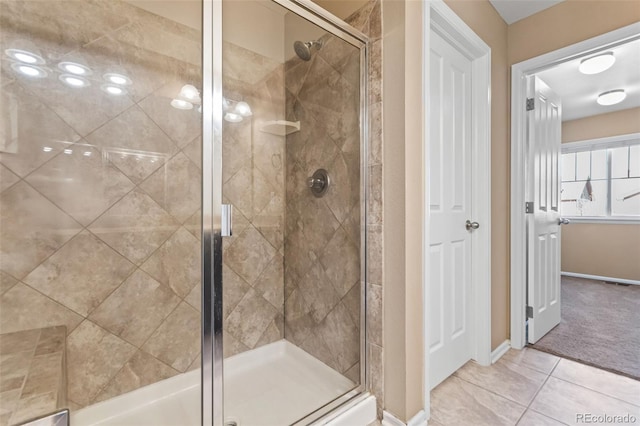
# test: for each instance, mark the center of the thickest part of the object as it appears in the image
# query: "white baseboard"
(600, 278)
(419, 419)
(389, 419)
(500, 350)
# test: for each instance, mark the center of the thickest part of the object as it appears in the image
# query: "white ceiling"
(515, 10)
(578, 92)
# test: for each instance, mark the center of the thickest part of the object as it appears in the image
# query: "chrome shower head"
(303, 49)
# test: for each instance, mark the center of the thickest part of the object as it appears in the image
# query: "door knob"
(563, 221)
(471, 225)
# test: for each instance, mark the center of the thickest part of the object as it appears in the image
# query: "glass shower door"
(292, 153)
(100, 196)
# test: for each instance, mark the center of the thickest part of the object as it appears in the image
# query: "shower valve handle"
(315, 182)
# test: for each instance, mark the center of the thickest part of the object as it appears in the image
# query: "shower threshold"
(273, 385)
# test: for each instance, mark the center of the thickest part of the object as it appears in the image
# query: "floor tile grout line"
(596, 391)
(492, 392)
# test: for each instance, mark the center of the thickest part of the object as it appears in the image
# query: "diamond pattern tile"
(28, 129)
(63, 276)
(81, 183)
(176, 264)
(134, 143)
(136, 308)
(176, 187)
(135, 226)
(32, 229)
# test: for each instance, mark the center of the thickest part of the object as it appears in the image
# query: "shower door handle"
(227, 220)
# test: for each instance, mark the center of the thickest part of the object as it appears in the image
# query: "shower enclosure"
(182, 204)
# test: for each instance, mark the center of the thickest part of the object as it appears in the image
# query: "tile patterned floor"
(532, 388)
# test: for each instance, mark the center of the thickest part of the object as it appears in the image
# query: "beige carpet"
(600, 326)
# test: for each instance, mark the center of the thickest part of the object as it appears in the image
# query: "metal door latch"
(471, 225)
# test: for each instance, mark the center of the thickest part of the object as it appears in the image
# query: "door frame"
(518, 230)
(440, 16)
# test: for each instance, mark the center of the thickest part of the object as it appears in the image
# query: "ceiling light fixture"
(611, 97)
(24, 56)
(74, 68)
(29, 70)
(74, 81)
(597, 64)
(181, 104)
(119, 79)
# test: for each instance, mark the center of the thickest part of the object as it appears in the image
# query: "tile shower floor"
(275, 384)
(532, 388)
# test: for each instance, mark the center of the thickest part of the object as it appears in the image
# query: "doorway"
(581, 183)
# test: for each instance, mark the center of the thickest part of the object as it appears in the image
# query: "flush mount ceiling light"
(74, 68)
(611, 97)
(29, 70)
(24, 56)
(112, 89)
(597, 64)
(119, 79)
(74, 80)
(181, 104)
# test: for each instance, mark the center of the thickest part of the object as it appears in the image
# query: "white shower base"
(274, 385)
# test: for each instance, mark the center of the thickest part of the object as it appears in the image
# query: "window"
(601, 179)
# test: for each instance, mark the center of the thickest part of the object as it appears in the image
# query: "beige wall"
(601, 249)
(568, 23)
(603, 125)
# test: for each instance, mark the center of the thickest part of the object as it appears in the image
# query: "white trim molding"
(419, 419)
(519, 73)
(600, 278)
(441, 17)
(502, 349)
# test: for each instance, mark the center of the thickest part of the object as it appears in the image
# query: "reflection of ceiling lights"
(190, 92)
(235, 111)
(597, 64)
(113, 89)
(243, 109)
(74, 68)
(68, 151)
(181, 104)
(29, 70)
(233, 117)
(119, 79)
(47, 149)
(74, 81)
(24, 56)
(611, 97)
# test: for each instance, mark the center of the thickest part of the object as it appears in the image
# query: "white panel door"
(450, 309)
(543, 281)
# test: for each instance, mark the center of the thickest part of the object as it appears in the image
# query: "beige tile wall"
(253, 183)
(103, 237)
(322, 239)
(368, 19)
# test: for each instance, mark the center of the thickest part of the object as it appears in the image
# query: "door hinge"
(529, 311)
(531, 105)
(528, 207)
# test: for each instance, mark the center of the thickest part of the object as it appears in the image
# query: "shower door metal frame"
(212, 404)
